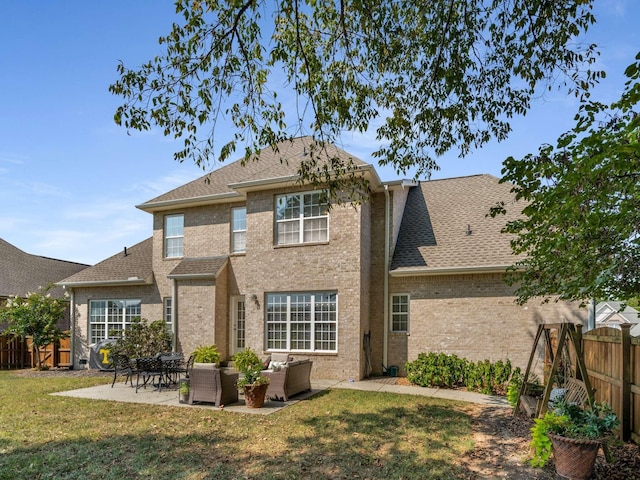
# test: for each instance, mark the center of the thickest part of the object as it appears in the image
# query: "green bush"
(206, 354)
(141, 339)
(449, 371)
(513, 388)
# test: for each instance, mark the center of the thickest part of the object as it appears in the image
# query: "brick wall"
(151, 310)
(472, 316)
(335, 266)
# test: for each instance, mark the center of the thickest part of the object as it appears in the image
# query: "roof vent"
(125, 251)
(469, 231)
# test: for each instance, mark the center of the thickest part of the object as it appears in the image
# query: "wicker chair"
(122, 366)
(213, 385)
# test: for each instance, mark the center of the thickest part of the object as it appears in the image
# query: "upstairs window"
(238, 229)
(173, 236)
(301, 218)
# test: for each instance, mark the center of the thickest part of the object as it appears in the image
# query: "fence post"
(625, 385)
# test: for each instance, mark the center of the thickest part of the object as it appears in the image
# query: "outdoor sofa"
(288, 379)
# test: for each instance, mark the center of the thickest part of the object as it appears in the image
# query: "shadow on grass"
(333, 435)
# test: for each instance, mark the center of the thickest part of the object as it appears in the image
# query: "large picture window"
(301, 218)
(400, 313)
(107, 316)
(173, 236)
(238, 229)
(302, 322)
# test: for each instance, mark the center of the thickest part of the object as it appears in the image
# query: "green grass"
(339, 434)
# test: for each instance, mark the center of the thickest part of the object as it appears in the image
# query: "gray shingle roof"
(438, 213)
(22, 272)
(199, 267)
(271, 164)
(133, 268)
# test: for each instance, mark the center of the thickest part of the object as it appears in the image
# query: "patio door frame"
(238, 309)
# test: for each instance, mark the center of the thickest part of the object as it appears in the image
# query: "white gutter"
(385, 333)
(190, 202)
(411, 272)
(108, 283)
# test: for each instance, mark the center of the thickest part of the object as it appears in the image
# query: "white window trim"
(408, 314)
(233, 231)
(168, 237)
(167, 304)
(301, 219)
(288, 322)
(234, 319)
(123, 320)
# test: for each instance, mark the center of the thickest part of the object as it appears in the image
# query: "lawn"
(338, 434)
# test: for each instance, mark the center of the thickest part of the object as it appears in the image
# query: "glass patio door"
(239, 323)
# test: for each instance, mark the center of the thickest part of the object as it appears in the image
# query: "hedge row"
(450, 371)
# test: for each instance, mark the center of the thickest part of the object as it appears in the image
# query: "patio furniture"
(149, 369)
(213, 385)
(289, 380)
(122, 366)
(172, 366)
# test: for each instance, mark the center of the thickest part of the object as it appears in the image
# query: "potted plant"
(206, 356)
(574, 435)
(251, 381)
(183, 391)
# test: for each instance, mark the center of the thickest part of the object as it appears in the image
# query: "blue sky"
(70, 178)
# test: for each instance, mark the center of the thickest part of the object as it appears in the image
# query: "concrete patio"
(169, 397)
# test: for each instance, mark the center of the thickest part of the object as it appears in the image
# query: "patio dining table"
(172, 367)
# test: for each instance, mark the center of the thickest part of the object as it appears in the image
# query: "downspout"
(174, 309)
(385, 333)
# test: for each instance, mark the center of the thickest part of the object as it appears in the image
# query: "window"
(173, 236)
(238, 229)
(301, 218)
(400, 313)
(302, 322)
(167, 314)
(107, 316)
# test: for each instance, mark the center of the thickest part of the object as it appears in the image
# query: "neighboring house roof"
(133, 266)
(21, 273)
(446, 228)
(199, 267)
(609, 312)
(230, 182)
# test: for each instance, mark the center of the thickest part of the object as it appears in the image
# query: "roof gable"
(445, 227)
(133, 266)
(23, 272)
(227, 182)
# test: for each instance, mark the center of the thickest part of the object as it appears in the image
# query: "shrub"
(141, 339)
(442, 370)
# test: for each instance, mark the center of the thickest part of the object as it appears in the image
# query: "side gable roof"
(445, 228)
(228, 183)
(22, 272)
(130, 267)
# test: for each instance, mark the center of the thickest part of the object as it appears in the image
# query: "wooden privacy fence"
(612, 358)
(17, 353)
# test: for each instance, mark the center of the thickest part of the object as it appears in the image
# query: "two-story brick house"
(247, 256)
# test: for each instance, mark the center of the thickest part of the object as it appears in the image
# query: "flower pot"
(254, 395)
(183, 391)
(209, 366)
(575, 459)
